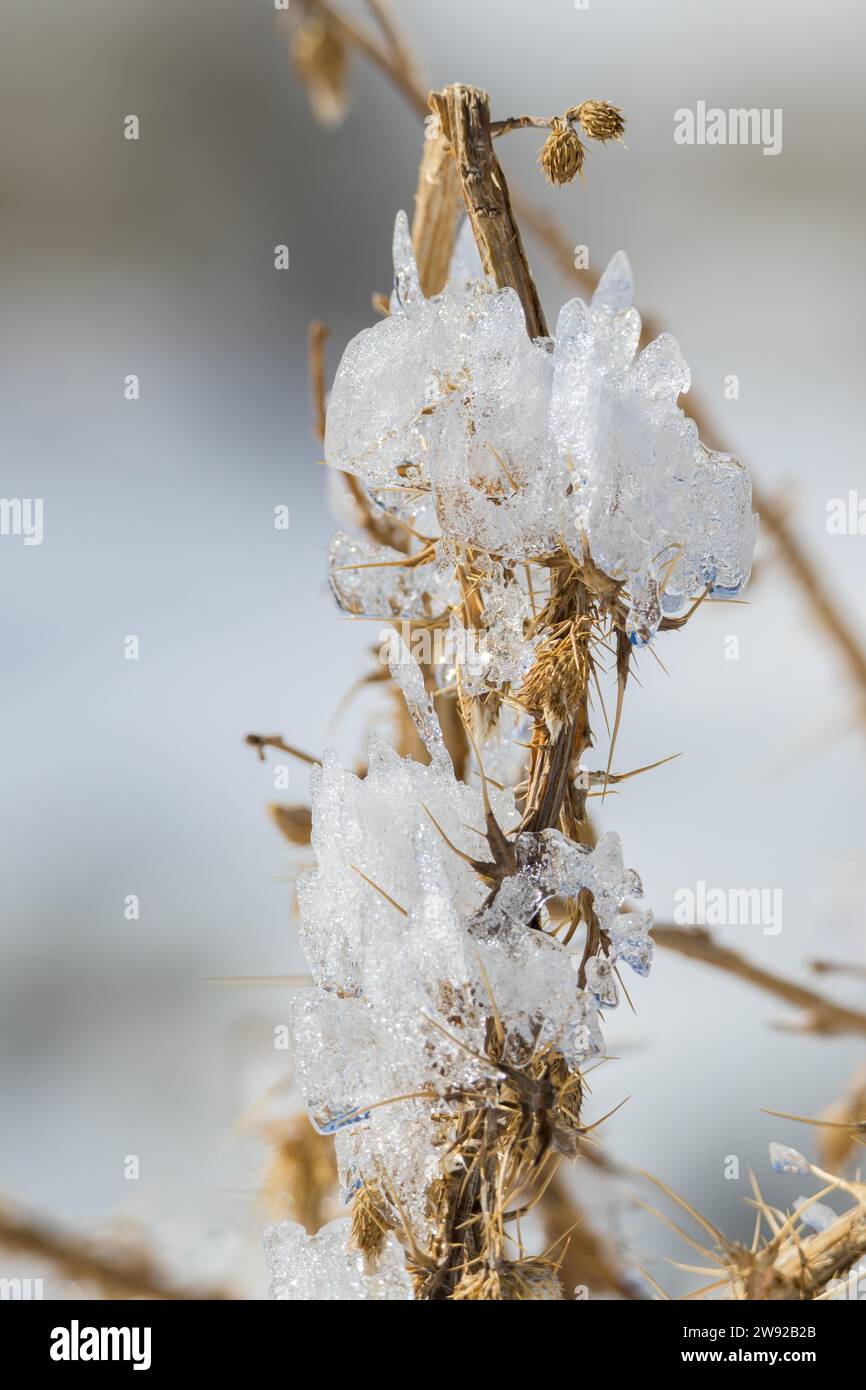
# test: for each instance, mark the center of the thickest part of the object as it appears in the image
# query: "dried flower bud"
(562, 155)
(321, 62)
(599, 120)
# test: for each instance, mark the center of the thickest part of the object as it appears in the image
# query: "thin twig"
(838, 967)
(118, 1275)
(317, 336)
(824, 1016)
(262, 741)
(521, 123)
(392, 35)
(380, 56)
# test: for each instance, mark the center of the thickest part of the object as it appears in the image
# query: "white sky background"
(118, 777)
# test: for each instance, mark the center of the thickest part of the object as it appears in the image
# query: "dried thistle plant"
(576, 611)
(562, 154)
(450, 1065)
(600, 120)
(810, 1253)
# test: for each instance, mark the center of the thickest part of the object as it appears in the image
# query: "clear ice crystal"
(601, 981)
(407, 674)
(815, 1214)
(522, 444)
(324, 1267)
(631, 941)
(788, 1161)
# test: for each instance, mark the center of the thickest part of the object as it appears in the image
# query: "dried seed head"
(599, 120)
(531, 1280)
(563, 154)
(370, 1225)
(321, 62)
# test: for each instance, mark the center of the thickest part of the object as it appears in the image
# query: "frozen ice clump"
(816, 1214)
(522, 445)
(374, 581)
(789, 1161)
(411, 953)
(657, 508)
(324, 1267)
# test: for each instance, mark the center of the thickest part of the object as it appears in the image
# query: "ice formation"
(816, 1214)
(410, 953)
(325, 1267)
(470, 433)
(789, 1161)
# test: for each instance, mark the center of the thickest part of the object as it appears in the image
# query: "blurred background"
(155, 257)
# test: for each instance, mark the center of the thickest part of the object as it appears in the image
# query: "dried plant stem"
(464, 113)
(521, 123)
(467, 1258)
(438, 201)
(823, 1015)
(393, 38)
(301, 1182)
(843, 1124)
(839, 967)
(587, 1260)
(118, 1276)
(317, 336)
(805, 1269)
(262, 741)
(393, 65)
(822, 604)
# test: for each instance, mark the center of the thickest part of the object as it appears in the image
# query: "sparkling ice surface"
(407, 953)
(323, 1267)
(522, 445)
